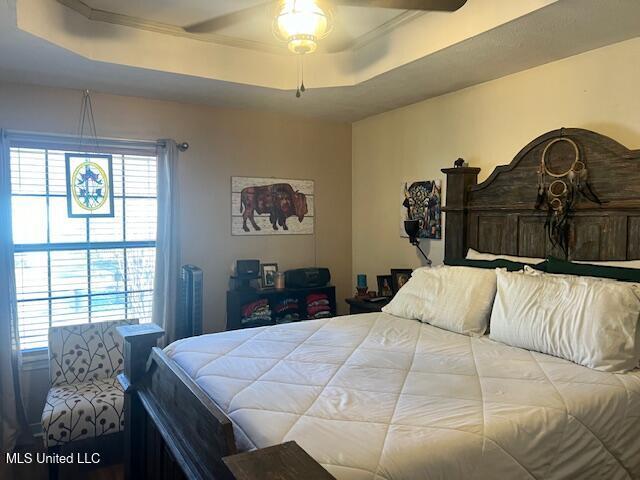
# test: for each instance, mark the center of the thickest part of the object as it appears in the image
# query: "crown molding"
(105, 16)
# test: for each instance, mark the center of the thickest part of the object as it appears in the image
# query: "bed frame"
(498, 215)
(175, 431)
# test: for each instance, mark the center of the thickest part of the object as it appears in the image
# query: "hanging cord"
(93, 122)
(86, 116)
(81, 118)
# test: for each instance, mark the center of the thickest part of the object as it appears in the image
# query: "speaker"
(307, 277)
(190, 302)
(247, 269)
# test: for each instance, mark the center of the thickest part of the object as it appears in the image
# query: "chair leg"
(54, 466)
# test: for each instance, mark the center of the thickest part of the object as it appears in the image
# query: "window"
(79, 270)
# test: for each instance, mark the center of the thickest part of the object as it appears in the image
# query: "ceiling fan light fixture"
(301, 23)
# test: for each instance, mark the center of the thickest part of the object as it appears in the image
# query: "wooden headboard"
(499, 215)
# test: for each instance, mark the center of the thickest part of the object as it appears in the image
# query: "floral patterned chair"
(85, 400)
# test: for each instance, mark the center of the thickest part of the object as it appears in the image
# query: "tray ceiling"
(353, 26)
(44, 42)
(181, 13)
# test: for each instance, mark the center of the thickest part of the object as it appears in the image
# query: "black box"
(307, 277)
(248, 269)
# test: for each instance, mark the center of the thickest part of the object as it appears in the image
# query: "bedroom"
(392, 96)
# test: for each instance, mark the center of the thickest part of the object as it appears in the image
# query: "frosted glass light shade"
(301, 23)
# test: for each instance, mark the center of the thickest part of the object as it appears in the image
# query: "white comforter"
(379, 397)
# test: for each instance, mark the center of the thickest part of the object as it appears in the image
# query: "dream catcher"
(559, 191)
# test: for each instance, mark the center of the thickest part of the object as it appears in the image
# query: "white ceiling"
(352, 24)
(68, 51)
(181, 13)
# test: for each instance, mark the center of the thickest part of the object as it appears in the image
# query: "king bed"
(374, 396)
(385, 396)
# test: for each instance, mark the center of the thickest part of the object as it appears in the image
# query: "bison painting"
(279, 200)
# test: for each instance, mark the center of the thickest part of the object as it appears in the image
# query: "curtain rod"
(127, 142)
(183, 147)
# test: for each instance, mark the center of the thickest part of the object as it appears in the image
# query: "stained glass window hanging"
(89, 185)
(89, 176)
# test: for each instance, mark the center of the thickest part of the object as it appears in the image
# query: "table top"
(362, 303)
(287, 461)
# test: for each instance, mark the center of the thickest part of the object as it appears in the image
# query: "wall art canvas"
(89, 185)
(271, 206)
(421, 200)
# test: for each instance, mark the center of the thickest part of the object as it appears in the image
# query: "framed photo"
(399, 276)
(89, 185)
(384, 286)
(267, 272)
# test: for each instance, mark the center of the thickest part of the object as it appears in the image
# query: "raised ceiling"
(181, 13)
(45, 42)
(354, 26)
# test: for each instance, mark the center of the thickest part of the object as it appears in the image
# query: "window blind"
(80, 270)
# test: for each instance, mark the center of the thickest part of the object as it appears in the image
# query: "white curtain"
(165, 290)
(13, 423)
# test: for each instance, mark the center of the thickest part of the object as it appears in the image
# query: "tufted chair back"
(90, 351)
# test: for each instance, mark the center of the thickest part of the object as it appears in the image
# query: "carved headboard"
(499, 215)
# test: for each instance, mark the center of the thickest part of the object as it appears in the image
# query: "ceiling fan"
(301, 23)
(310, 20)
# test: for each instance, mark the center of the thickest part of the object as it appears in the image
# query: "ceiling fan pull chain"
(298, 78)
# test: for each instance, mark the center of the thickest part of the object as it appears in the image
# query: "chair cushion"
(83, 410)
(85, 352)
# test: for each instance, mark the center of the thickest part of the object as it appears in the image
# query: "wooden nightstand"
(357, 305)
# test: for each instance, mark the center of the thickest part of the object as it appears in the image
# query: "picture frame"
(89, 182)
(399, 276)
(267, 274)
(385, 283)
(421, 200)
(272, 206)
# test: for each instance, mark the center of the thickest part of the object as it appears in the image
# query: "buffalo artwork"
(268, 206)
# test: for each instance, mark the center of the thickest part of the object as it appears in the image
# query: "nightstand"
(358, 305)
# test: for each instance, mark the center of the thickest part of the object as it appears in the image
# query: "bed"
(375, 396)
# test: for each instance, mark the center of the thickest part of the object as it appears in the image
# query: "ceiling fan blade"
(217, 23)
(442, 5)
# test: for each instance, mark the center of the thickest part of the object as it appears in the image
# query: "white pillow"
(475, 255)
(458, 299)
(585, 320)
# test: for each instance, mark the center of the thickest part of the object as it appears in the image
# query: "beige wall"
(487, 125)
(223, 142)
